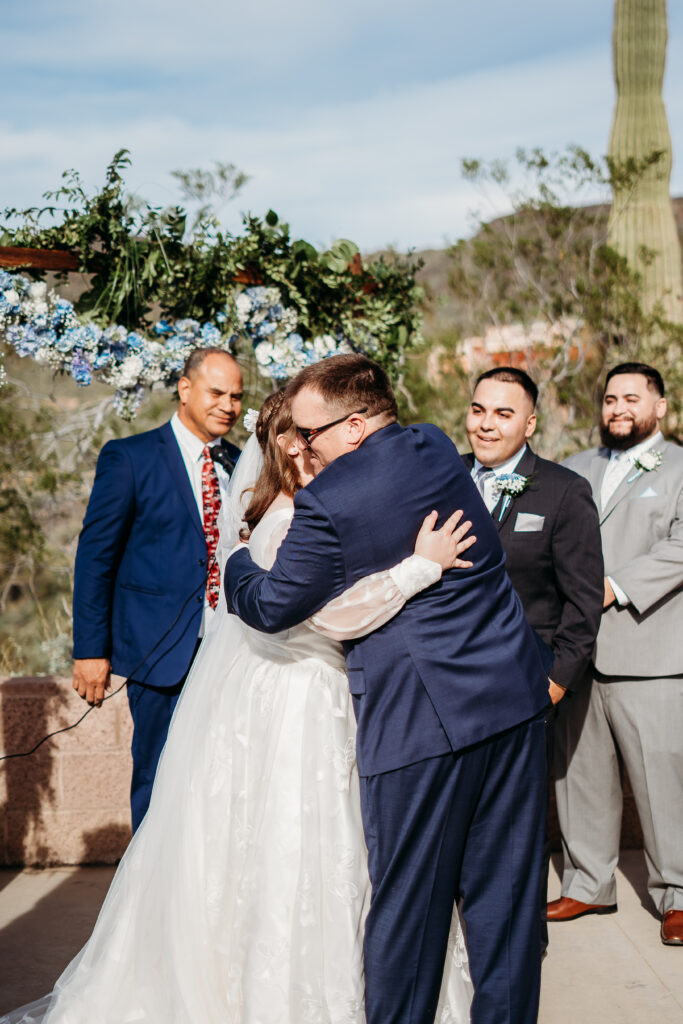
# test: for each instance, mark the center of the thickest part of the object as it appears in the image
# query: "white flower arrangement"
(279, 349)
(36, 322)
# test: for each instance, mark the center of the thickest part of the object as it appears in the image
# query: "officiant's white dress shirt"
(191, 449)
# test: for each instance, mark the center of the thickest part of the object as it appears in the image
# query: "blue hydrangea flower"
(127, 401)
(210, 334)
(81, 370)
(102, 359)
(135, 342)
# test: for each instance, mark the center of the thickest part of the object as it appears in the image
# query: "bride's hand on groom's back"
(447, 544)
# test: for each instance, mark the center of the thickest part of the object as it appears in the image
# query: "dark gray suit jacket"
(551, 538)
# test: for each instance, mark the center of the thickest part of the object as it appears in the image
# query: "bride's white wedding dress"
(242, 897)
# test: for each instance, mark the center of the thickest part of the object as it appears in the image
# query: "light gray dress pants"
(643, 720)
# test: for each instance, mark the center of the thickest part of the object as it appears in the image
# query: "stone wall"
(69, 802)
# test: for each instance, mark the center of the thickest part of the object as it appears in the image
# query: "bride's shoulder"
(270, 531)
(283, 501)
(276, 517)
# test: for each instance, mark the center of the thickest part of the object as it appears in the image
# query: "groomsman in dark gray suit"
(634, 706)
(549, 530)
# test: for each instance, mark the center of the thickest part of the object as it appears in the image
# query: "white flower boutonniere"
(511, 485)
(646, 462)
(250, 418)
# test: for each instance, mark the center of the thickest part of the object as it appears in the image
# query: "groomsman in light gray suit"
(634, 705)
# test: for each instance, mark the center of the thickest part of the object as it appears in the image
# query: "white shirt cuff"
(415, 574)
(622, 598)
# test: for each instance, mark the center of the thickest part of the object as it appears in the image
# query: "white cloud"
(383, 169)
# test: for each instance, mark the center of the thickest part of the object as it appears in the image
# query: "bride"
(242, 896)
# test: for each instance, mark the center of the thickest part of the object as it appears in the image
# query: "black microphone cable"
(67, 728)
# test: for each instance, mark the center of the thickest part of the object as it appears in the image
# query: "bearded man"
(633, 709)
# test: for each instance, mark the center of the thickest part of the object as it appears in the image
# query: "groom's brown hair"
(350, 382)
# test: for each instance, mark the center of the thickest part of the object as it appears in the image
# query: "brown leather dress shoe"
(566, 909)
(672, 928)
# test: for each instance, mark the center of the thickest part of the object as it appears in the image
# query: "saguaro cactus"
(643, 217)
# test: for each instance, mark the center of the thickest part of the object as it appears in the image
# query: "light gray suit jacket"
(642, 543)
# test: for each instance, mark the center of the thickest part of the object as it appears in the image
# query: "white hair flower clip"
(250, 418)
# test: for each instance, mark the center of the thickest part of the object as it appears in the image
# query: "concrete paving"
(600, 970)
(613, 969)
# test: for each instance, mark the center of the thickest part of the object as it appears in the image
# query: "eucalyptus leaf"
(345, 249)
(333, 262)
(305, 249)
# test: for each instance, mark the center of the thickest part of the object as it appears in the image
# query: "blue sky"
(351, 118)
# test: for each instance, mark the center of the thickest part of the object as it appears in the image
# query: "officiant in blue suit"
(449, 698)
(145, 579)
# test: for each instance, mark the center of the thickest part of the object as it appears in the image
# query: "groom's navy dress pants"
(467, 825)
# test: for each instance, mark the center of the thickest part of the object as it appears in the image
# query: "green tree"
(547, 267)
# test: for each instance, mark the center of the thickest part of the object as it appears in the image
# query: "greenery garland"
(158, 289)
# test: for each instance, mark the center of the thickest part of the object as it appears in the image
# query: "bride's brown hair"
(279, 472)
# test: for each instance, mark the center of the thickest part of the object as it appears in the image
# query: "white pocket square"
(649, 492)
(528, 522)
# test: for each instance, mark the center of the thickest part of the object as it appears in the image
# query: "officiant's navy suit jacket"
(459, 663)
(141, 563)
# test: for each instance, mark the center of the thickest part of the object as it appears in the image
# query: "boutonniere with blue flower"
(646, 462)
(510, 485)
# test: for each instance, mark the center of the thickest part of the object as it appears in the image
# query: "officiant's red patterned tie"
(211, 503)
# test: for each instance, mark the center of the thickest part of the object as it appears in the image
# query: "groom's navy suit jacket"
(141, 561)
(459, 663)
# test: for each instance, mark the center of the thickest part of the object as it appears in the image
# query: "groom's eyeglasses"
(307, 433)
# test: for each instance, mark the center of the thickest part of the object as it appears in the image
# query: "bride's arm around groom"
(447, 696)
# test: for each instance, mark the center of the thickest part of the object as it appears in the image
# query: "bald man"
(146, 580)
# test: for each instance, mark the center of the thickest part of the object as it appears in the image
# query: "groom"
(449, 698)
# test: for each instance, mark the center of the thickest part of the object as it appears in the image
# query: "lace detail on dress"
(343, 760)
